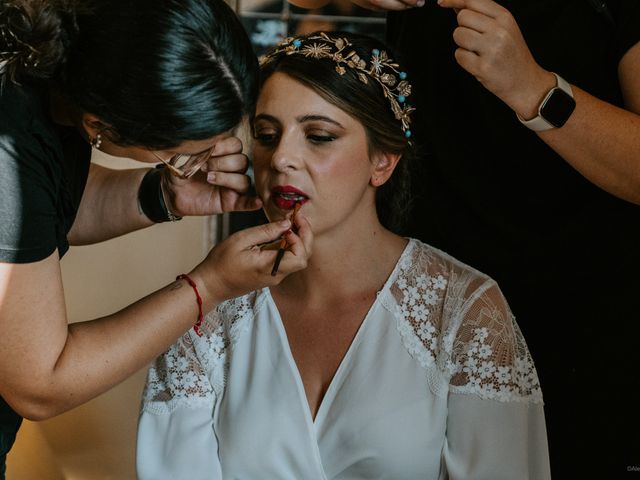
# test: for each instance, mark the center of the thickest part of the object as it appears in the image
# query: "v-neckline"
(327, 398)
(328, 394)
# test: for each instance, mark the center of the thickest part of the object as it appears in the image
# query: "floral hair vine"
(381, 68)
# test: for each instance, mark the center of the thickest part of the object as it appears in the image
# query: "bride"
(385, 357)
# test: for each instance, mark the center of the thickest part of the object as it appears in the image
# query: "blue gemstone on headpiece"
(297, 43)
(375, 52)
(401, 98)
(407, 133)
(403, 75)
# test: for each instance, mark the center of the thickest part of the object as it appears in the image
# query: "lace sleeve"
(176, 378)
(489, 357)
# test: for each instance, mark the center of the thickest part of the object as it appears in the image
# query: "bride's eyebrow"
(322, 118)
(265, 116)
(300, 119)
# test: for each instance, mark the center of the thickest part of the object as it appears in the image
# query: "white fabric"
(438, 383)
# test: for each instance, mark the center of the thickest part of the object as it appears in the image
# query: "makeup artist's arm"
(48, 366)
(599, 140)
(109, 206)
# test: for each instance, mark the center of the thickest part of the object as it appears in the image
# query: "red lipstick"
(285, 197)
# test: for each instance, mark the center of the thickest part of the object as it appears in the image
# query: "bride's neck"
(346, 262)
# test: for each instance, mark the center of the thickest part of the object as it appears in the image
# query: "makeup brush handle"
(276, 264)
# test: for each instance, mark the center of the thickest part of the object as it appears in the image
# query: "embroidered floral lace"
(452, 319)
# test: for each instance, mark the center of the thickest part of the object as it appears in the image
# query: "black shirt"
(566, 253)
(43, 171)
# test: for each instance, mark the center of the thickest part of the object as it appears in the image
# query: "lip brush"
(283, 246)
(281, 249)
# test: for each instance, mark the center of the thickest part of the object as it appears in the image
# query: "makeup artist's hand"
(299, 244)
(220, 186)
(492, 49)
(237, 265)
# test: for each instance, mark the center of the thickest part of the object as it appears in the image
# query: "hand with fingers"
(238, 265)
(491, 48)
(221, 185)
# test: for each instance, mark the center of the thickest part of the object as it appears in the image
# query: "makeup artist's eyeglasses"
(185, 165)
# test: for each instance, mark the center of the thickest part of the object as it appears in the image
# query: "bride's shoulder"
(421, 259)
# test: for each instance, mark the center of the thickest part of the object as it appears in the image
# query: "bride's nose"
(286, 156)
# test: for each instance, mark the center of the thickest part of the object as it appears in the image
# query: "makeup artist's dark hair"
(155, 72)
(366, 103)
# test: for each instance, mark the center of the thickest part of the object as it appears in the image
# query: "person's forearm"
(136, 336)
(48, 366)
(109, 206)
(602, 142)
(599, 140)
(99, 354)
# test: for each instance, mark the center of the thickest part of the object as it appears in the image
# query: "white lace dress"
(438, 383)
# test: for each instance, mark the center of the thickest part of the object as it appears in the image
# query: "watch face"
(558, 107)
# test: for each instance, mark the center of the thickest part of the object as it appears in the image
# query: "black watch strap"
(151, 197)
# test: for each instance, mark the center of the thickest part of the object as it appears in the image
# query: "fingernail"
(284, 223)
(420, 3)
(211, 177)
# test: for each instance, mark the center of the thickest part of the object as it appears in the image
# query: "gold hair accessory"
(381, 68)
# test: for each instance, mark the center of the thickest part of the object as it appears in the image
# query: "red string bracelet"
(197, 325)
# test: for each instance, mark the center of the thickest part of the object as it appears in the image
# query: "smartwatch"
(555, 109)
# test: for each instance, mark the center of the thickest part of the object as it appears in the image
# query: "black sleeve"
(626, 14)
(28, 177)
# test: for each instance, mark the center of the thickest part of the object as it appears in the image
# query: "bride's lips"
(285, 197)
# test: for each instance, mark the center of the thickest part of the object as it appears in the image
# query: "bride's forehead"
(283, 93)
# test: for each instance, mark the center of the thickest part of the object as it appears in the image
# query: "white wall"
(97, 440)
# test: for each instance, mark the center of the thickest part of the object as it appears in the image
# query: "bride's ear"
(383, 166)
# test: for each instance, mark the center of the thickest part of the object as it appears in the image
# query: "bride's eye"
(321, 138)
(265, 137)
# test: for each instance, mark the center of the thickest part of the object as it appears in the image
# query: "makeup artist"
(159, 82)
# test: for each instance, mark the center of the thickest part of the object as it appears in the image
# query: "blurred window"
(270, 21)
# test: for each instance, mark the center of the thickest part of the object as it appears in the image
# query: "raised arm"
(109, 206)
(600, 140)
